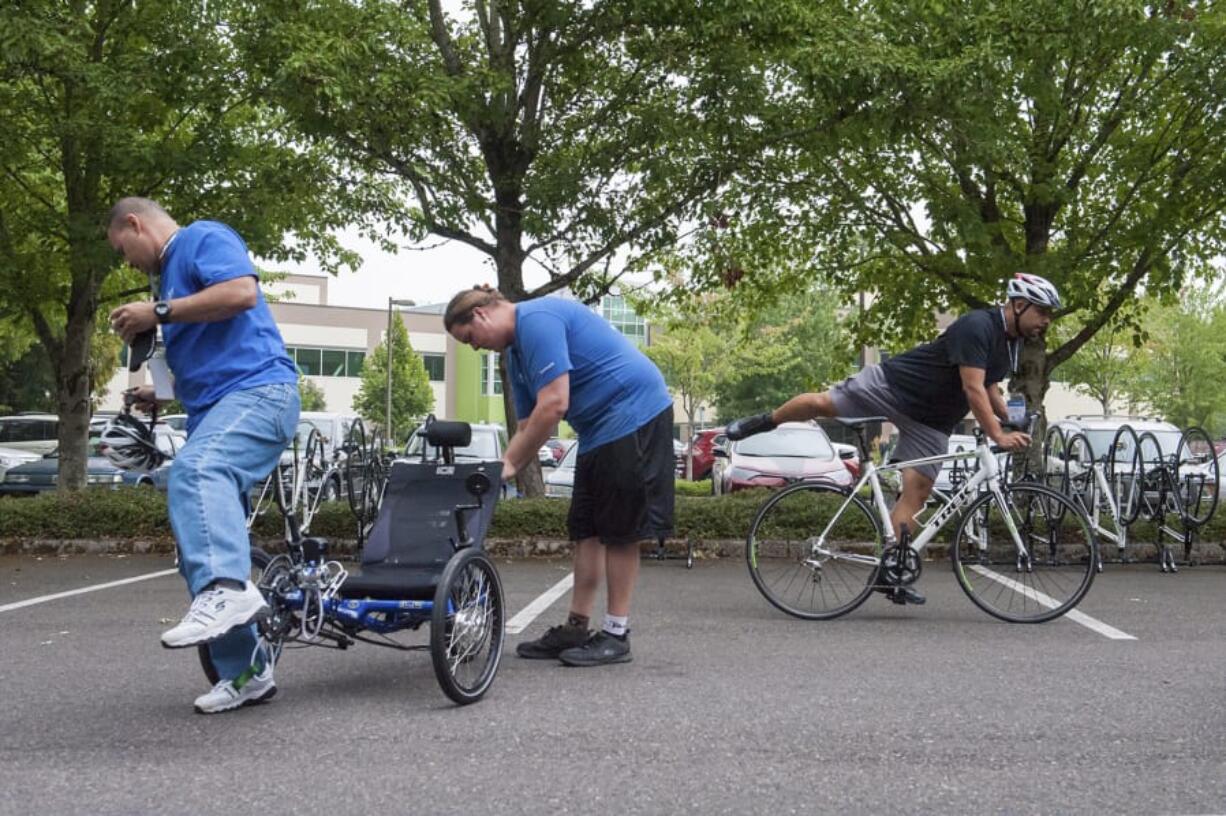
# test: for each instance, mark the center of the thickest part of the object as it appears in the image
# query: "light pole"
(388, 416)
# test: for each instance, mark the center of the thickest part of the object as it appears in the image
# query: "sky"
(431, 275)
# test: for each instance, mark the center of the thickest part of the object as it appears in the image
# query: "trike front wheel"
(467, 626)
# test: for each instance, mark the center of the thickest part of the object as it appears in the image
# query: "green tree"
(578, 137)
(412, 396)
(311, 395)
(1107, 368)
(692, 356)
(794, 346)
(1082, 141)
(104, 99)
(1183, 377)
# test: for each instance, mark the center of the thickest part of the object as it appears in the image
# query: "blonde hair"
(460, 309)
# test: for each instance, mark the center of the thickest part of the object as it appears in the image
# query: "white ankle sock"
(615, 625)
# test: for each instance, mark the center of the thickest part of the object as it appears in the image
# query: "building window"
(354, 360)
(334, 363)
(614, 309)
(435, 366)
(490, 376)
(324, 362)
(309, 360)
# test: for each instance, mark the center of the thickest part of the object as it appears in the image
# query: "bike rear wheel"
(813, 551)
(1042, 580)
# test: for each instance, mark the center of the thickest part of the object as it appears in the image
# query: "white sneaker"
(230, 694)
(213, 613)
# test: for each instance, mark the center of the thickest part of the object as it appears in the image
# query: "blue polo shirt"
(614, 388)
(210, 360)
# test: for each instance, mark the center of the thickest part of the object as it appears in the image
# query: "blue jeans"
(237, 442)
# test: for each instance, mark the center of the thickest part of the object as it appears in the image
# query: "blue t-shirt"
(210, 360)
(614, 388)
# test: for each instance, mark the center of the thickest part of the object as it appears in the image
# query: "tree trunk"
(510, 264)
(1032, 381)
(72, 384)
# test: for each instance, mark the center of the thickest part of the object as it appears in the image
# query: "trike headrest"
(443, 434)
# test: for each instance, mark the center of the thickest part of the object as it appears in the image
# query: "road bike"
(1022, 552)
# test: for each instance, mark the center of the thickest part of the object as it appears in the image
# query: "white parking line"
(82, 591)
(1073, 615)
(529, 613)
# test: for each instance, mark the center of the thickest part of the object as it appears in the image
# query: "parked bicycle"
(816, 551)
(1182, 483)
(1106, 486)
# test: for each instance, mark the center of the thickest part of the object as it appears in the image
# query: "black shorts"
(624, 489)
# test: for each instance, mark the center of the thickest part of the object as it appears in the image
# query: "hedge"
(140, 513)
(98, 513)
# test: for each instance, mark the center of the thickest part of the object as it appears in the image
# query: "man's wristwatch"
(162, 310)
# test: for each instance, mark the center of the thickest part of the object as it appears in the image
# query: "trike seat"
(429, 511)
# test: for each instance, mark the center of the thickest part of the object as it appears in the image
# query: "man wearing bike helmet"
(926, 391)
(240, 389)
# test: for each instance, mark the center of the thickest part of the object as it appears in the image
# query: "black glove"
(748, 426)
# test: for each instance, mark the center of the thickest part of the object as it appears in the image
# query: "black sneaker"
(903, 595)
(556, 640)
(601, 648)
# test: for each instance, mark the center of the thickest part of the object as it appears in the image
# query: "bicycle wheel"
(1196, 477)
(259, 563)
(1154, 488)
(1035, 584)
(1055, 469)
(375, 475)
(813, 551)
(1126, 474)
(467, 626)
(355, 467)
(1079, 465)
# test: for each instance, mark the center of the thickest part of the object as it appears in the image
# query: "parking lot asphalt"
(729, 707)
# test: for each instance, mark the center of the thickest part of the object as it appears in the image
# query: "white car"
(560, 482)
(953, 474)
(12, 457)
(38, 433)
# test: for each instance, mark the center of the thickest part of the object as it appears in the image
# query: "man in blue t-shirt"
(240, 389)
(565, 362)
(926, 391)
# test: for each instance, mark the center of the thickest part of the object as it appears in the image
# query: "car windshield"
(788, 443)
(1100, 443)
(483, 447)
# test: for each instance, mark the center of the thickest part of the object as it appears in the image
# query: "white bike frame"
(987, 474)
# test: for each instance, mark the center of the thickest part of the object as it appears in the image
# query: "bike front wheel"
(1026, 556)
(813, 551)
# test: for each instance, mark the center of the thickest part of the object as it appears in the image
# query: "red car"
(702, 444)
(793, 452)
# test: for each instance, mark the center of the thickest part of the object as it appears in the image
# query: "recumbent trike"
(423, 562)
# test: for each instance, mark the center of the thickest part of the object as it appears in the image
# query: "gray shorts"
(868, 394)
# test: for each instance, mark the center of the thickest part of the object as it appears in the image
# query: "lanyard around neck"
(1014, 346)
